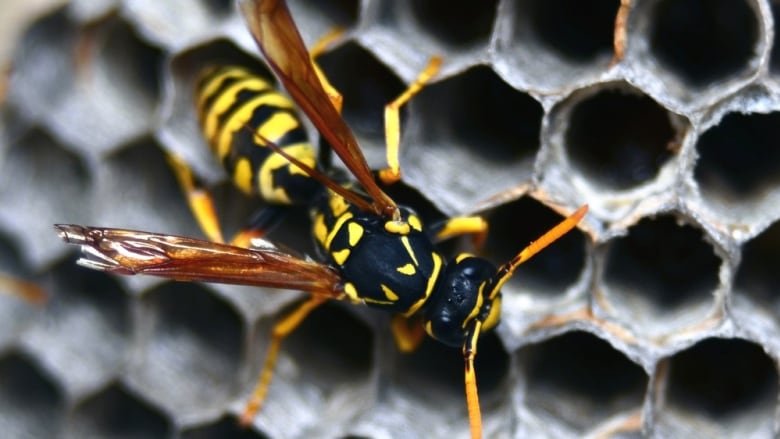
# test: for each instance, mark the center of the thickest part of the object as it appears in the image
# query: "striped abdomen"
(237, 109)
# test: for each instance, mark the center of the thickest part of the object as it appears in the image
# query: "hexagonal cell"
(323, 375)
(576, 383)
(135, 188)
(191, 350)
(42, 183)
(173, 23)
(757, 278)
(115, 81)
(31, 404)
(465, 143)
(225, 427)
(703, 43)
(552, 44)
(718, 388)
(660, 278)
(117, 412)
(42, 64)
(367, 86)
(457, 25)
(83, 338)
(617, 137)
(429, 382)
(737, 183)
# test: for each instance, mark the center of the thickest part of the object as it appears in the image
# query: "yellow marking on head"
(354, 233)
(429, 286)
(341, 256)
(463, 256)
(336, 227)
(477, 307)
(407, 269)
(398, 227)
(320, 229)
(495, 314)
(266, 184)
(390, 294)
(272, 128)
(338, 205)
(242, 175)
(429, 329)
(351, 292)
(408, 247)
(415, 222)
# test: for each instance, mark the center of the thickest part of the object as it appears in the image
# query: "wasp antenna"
(507, 270)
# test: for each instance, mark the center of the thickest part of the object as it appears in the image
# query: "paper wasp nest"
(659, 316)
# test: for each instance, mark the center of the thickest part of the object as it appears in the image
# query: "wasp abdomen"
(239, 111)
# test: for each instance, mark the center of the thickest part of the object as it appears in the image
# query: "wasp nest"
(659, 316)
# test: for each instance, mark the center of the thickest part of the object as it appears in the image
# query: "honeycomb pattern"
(659, 317)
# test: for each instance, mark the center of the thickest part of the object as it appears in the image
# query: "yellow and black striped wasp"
(375, 252)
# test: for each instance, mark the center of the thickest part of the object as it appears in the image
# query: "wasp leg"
(472, 398)
(200, 201)
(476, 226)
(281, 330)
(621, 22)
(28, 291)
(408, 333)
(202, 207)
(392, 173)
(318, 49)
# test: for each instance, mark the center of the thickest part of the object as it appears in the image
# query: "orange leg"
(408, 333)
(281, 330)
(619, 41)
(472, 398)
(28, 291)
(393, 121)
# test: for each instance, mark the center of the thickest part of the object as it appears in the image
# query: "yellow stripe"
(405, 241)
(242, 175)
(215, 77)
(477, 306)
(239, 120)
(228, 98)
(428, 287)
(336, 226)
(268, 188)
(320, 230)
(390, 294)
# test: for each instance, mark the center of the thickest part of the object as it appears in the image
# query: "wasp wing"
(277, 37)
(188, 259)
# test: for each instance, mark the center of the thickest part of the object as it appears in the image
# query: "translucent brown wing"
(187, 259)
(275, 33)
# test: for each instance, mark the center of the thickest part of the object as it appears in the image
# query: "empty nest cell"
(757, 277)
(31, 403)
(457, 24)
(660, 278)
(618, 137)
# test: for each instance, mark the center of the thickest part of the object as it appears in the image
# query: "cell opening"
(332, 345)
(739, 158)
(479, 111)
(659, 270)
(722, 379)
(367, 86)
(88, 326)
(619, 139)
(225, 427)
(579, 31)
(342, 13)
(129, 61)
(435, 370)
(116, 412)
(457, 23)
(192, 350)
(704, 42)
(580, 379)
(32, 405)
(757, 276)
(515, 225)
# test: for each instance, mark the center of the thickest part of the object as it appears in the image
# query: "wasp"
(375, 252)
